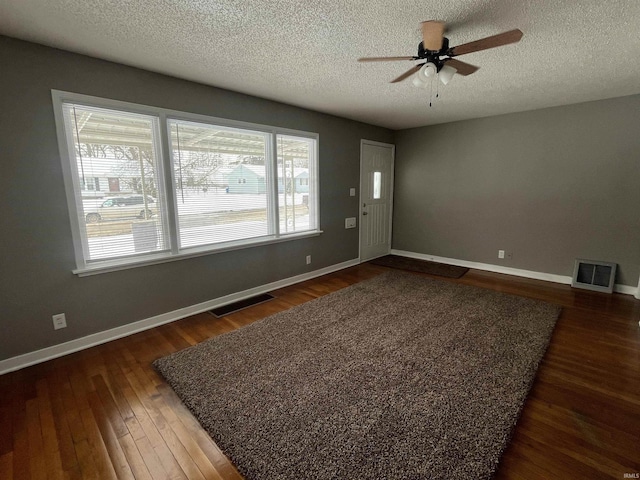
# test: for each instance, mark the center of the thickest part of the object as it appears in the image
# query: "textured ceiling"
(304, 52)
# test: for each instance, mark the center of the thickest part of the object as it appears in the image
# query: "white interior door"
(376, 198)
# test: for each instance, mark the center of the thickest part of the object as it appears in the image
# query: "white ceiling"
(304, 52)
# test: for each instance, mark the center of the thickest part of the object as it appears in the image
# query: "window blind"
(222, 183)
(295, 168)
(116, 181)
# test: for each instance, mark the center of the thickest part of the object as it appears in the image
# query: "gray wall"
(548, 185)
(37, 251)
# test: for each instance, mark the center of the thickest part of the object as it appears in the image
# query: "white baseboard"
(549, 277)
(626, 289)
(55, 351)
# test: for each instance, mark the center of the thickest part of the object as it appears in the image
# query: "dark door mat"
(422, 266)
(247, 302)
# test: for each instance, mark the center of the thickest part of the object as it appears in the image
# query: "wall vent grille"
(594, 275)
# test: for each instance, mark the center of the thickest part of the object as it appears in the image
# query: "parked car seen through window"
(130, 206)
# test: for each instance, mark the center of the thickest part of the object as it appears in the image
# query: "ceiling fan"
(436, 57)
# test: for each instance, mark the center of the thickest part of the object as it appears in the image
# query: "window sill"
(106, 267)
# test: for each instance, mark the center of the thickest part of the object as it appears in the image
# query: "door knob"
(365, 213)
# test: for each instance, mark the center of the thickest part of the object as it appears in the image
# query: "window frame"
(167, 184)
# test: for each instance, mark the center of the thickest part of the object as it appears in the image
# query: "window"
(221, 197)
(296, 162)
(147, 184)
(114, 144)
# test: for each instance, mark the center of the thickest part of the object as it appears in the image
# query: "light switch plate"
(350, 222)
(352, 192)
(59, 321)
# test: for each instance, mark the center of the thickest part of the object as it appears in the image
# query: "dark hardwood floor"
(105, 413)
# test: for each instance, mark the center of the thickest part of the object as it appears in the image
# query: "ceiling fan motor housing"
(433, 56)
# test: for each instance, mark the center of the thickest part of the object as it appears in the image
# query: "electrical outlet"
(352, 192)
(59, 321)
(500, 253)
(308, 259)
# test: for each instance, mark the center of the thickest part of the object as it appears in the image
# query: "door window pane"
(377, 185)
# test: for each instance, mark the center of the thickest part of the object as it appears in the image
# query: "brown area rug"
(422, 266)
(397, 377)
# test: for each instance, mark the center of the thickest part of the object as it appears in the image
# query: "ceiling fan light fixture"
(446, 73)
(427, 71)
(417, 81)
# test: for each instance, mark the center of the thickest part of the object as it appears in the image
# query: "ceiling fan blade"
(406, 74)
(432, 34)
(383, 59)
(512, 36)
(462, 68)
